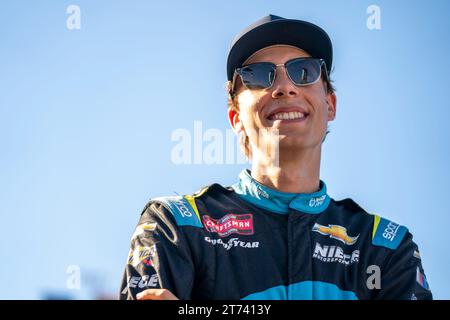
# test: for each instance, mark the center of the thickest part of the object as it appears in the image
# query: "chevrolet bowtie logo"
(335, 232)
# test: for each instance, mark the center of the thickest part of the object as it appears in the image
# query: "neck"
(296, 171)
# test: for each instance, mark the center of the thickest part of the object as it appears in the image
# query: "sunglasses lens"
(304, 71)
(258, 75)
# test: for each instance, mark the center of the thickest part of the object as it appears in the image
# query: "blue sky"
(86, 118)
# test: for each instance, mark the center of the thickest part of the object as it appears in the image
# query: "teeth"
(288, 115)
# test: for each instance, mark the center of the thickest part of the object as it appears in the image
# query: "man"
(276, 233)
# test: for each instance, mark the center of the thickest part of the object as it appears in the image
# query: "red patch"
(231, 223)
(148, 262)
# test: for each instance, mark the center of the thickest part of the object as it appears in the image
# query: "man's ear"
(331, 103)
(235, 121)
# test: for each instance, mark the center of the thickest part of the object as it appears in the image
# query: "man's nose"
(283, 86)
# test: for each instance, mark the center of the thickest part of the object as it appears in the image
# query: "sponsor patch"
(335, 232)
(183, 209)
(232, 243)
(335, 254)
(317, 202)
(422, 280)
(417, 254)
(387, 233)
(140, 229)
(231, 223)
(141, 254)
(141, 282)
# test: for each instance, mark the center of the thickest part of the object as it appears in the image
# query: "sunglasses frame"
(238, 72)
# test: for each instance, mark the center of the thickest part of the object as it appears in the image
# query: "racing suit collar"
(280, 202)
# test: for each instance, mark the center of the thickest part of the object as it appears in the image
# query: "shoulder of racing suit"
(182, 207)
(385, 233)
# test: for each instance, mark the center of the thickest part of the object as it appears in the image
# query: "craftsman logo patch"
(231, 223)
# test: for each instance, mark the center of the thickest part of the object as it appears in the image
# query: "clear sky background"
(86, 118)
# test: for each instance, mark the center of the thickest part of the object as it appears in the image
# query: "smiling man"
(276, 233)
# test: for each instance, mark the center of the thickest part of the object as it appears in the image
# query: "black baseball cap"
(271, 30)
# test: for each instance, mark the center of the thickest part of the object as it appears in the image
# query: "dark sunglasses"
(261, 75)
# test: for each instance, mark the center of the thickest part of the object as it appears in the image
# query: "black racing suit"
(248, 241)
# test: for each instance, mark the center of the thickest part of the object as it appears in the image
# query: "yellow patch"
(376, 222)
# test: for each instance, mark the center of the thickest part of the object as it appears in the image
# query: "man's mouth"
(287, 116)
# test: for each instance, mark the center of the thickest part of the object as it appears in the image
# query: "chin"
(289, 142)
